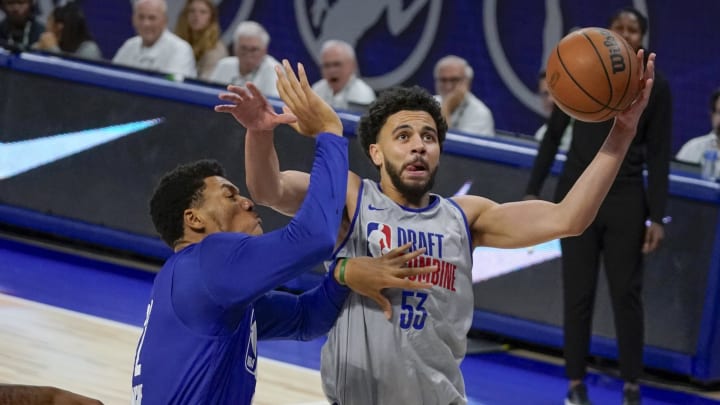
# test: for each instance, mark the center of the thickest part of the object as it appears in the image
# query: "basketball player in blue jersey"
(414, 356)
(213, 298)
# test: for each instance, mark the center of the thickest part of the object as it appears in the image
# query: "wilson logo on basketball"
(616, 58)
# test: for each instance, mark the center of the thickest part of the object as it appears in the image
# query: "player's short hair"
(178, 190)
(397, 99)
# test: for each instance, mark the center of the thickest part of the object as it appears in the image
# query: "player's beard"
(415, 192)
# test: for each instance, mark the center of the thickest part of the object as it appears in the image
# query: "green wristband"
(341, 276)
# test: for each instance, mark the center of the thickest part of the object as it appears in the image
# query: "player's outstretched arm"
(313, 114)
(583, 200)
(526, 223)
(238, 269)
(284, 191)
(262, 173)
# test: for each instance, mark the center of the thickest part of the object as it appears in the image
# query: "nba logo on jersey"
(251, 352)
(379, 239)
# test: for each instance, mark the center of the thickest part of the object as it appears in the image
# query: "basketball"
(592, 74)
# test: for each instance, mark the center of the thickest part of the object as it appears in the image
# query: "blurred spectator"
(462, 110)
(67, 32)
(19, 28)
(340, 87)
(155, 48)
(251, 62)
(692, 151)
(198, 25)
(547, 104)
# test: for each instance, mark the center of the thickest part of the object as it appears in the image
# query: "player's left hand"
(251, 109)
(654, 234)
(368, 276)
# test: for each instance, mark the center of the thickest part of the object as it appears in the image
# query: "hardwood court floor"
(45, 345)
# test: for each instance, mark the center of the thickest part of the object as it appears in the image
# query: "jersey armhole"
(352, 221)
(467, 226)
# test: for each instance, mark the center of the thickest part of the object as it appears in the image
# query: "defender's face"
(628, 26)
(223, 209)
(408, 150)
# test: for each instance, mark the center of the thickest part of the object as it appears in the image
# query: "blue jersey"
(213, 300)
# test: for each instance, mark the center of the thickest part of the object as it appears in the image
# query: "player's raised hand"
(313, 114)
(368, 276)
(251, 109)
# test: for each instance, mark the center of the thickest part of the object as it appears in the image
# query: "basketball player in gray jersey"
(408, 351)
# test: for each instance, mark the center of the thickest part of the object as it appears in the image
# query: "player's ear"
(375, 154)
(193, 220)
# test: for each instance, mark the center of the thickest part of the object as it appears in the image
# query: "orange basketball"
(592, 74)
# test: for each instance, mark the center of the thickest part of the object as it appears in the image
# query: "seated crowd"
(195, 50)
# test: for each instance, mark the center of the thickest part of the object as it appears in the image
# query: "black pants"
(616, 235)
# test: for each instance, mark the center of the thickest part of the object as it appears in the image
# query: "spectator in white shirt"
(155, 48)
(340, 87)
(462, 110)
(692, 151)
(251, 62)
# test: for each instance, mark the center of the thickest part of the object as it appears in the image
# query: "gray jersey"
(414, 358)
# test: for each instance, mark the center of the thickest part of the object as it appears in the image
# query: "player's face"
(199, 15)
(223, 209)
(337, 67)
(250, 53)
(628, 26)
(149, 21)
(408, 152)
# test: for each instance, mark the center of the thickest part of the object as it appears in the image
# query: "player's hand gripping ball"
(593, 74)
